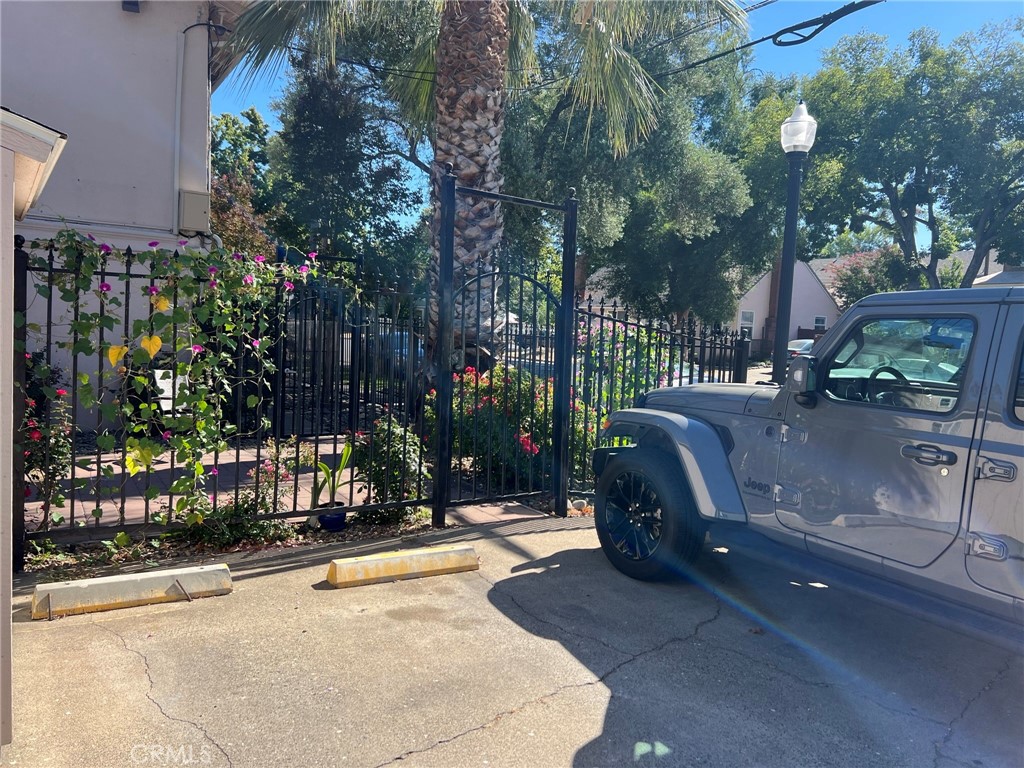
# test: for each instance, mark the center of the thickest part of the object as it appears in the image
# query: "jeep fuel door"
(878, 460)
(995, 539)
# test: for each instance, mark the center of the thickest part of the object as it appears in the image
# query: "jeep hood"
(752, 399)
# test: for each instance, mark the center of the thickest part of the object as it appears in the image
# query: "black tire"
(646, 518)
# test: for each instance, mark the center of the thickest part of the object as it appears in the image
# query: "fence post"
(565, 338)
(443, 347)
(740, 358)
(18, 473)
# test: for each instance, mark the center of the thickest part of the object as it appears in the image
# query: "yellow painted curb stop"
(402, 564)
(108, 593)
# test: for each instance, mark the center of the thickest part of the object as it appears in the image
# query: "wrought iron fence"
(335, 374)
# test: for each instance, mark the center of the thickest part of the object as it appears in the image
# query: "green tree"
(462, 64)
(882, 271)
(919, 137)
(984, 142)
(331, 166)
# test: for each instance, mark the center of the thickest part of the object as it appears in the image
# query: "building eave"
(36, 148)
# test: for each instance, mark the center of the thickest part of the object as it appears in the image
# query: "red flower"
(61, 392)
(35, 434)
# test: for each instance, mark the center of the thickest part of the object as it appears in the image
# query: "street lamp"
(797, 139)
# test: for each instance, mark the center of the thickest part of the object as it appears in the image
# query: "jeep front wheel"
(646, 519)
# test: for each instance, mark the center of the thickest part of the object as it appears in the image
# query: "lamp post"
(797, 139)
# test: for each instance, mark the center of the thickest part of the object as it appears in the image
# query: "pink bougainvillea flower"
(213, 270)
(61, 392)
(248, 279)
(153, 290)
(104, 248)
(312, 256)
(288, 285)
(212, 283)
(303, 269)
(154, 243)
(214, 471)
(236, 256)
(197, 348)
(166, 435)
(260, 258)
(105, 287)
(256, 343)
(183, 242)
(35, 434)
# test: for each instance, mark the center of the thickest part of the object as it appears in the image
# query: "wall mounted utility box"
(193, 211)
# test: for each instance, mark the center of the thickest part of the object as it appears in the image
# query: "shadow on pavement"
(747, 663)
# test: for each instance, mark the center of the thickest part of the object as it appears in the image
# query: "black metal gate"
(503, 418)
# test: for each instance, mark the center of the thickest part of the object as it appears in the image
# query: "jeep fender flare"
(701, 454)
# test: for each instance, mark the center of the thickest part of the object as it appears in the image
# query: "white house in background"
(131, 82)
(813, 311)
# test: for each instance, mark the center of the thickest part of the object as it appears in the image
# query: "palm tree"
(464, 62)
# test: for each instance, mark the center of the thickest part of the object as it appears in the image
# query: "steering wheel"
(896, 373)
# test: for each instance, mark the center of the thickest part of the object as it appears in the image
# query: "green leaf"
(97, 512)
(105, 441)
(251, 401)
(83, 379)
(152, 492)
(122, 539)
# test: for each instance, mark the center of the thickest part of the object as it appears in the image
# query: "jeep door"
(995, 540)
(879, 460)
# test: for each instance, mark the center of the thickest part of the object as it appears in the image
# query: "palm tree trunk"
(472, 57)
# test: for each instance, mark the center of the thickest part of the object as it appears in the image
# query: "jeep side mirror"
(802, 379)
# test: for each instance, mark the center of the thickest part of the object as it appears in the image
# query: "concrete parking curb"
(402, 564)
(111, 592)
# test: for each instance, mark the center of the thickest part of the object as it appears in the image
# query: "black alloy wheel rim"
(633, 515)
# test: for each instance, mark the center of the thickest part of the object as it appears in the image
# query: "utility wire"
(801, 33)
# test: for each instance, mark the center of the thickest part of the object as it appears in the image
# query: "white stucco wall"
(810, 299)
(110, 79)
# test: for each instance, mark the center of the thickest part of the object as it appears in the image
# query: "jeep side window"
(1018, 397)
(914, 363)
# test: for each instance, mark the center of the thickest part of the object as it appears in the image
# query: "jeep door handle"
(929, 455)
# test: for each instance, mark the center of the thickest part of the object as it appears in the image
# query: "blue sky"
(894, 18)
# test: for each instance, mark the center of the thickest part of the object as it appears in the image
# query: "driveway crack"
(562, 688)
(951, 725)
(157, 704)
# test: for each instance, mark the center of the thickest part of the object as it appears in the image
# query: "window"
(819, 322)
(747, 322)
(914, 363)
(1018, 398)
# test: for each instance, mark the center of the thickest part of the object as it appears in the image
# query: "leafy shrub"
(46, 437)
(504, 425)
(392, 466)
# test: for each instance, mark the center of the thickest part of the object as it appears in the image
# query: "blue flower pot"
(333, 521)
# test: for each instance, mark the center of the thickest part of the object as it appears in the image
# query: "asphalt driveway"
(544, 657)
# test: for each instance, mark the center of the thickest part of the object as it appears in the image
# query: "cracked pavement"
(544, 657)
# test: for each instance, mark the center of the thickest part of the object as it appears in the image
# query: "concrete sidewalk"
(546, 656)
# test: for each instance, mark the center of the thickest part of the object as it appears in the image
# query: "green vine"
(211, 318)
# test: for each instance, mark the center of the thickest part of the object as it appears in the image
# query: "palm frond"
(604, 74)
(415, 94)
(609, 78)
(522, 56)
(267, 29)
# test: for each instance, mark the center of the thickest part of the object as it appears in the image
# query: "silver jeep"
(895, 447)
